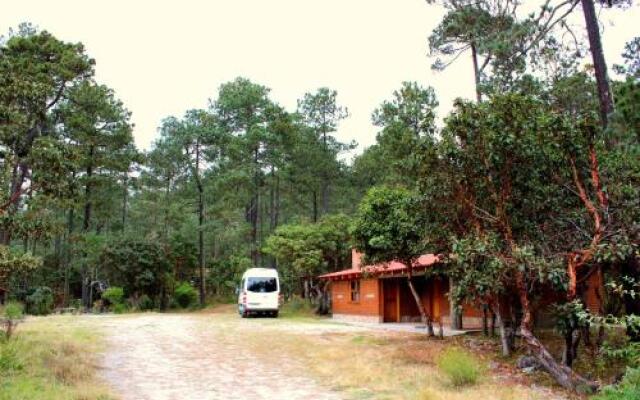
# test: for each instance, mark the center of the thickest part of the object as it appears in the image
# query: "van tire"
(274, 314)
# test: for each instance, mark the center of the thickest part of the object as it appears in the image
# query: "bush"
(185, 295)
(12, 314)
(460, 367)
(120, 308)
(627, 389)
(113, 295)
(40, 302)
(9, 361)
(145, 303)
(297, 307)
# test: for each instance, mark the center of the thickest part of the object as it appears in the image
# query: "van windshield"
(262, 285)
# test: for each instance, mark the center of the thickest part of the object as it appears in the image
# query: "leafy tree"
(306, 250)
(138, 266)
(36, 72)
(388, 227)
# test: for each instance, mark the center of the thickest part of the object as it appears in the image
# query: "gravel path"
(202, 357)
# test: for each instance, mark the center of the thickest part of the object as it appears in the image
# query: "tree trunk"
(86, 223)
(485, 320)
(599, 64)
(324, 190)
(426, 320)
(504, 336)
(564, 375)
(200, 226)
(476, 71)
(125, 195)
(571, 342)
(315, 206)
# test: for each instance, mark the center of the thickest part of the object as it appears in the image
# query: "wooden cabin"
(380, 293)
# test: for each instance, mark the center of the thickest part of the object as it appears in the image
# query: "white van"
(259, 292)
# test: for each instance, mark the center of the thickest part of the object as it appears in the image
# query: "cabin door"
(390, 289)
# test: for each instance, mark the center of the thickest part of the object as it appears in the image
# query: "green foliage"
(114, 295)
(9, 359)
(570, 316)
(11, 315)
(627, 389)
(309, 249)
(145, 303)
(297, 307)
(15, 263)
(631, 59)
(460, 367)
(138, 266)
(389, 226)
(120, 308)
(185, 295)
(13, 310)
(40, 302)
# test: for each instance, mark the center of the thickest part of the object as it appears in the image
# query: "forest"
(531, 187)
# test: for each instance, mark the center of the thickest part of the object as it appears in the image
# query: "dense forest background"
(533, 184)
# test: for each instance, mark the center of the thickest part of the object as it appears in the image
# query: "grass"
(52, 358)
(365, 365)
(460, 367)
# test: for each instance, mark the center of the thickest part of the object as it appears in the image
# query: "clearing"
(217, 355)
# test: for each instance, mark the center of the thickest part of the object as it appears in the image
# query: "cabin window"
(355, 290)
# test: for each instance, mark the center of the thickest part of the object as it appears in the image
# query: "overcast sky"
(164, 57)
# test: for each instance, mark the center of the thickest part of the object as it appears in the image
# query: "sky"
(165, 57)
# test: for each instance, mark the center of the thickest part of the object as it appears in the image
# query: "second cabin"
(380, 293)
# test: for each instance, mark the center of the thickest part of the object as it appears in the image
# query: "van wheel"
(274, 314)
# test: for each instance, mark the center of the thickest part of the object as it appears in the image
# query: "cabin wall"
(368, 308)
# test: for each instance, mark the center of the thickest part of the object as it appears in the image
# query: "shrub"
(40, 302)
(627, 389)
(185, 295)
(120, 308)
(9, 361)
(460, 367)
(114, 295)
(298, 307)
(12, 315)
(145, 303)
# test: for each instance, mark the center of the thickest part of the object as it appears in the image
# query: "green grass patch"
(460, 367)
(297, 308)
(627, 389)
(51, 358)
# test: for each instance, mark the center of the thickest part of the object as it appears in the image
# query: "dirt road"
(202, 357)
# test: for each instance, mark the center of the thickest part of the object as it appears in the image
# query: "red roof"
(392, 268)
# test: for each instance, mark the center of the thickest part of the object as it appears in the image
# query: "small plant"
(9, 361)
(40, 302)
(627, 389)
(460, 367)
(11, 317)
(120, 308)
(298, 307)
(113, 295)
(145, 303)
(185, 295)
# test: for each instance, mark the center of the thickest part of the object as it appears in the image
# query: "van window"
(262, 285)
